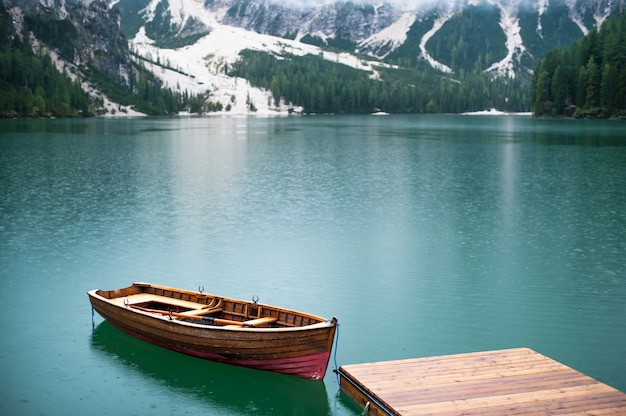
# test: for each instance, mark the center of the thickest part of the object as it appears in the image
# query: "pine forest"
(587, 79)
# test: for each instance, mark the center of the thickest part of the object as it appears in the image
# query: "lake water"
(425, 235)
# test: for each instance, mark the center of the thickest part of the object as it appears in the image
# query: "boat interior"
(205, 309)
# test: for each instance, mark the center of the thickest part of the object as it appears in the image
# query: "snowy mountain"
(191, 45)
(499, 37)
(509, 35)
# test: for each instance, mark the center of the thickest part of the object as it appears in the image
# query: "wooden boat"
(216, 328)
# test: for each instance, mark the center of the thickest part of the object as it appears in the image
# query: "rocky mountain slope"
(80, 32)
(504, 37)
(191, 45)
(83, 39)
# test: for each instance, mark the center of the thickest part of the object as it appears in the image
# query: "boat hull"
(299, 351)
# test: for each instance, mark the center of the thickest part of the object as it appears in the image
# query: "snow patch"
(575, 16)
(542, 6)
(202, 68)
(177, 12)
(509, 22)
(494, 112)
(395, 34)
(439, 22)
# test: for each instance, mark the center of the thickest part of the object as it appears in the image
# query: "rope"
(336, 371)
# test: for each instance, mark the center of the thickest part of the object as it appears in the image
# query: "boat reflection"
(218, 385)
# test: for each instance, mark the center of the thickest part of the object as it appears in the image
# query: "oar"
(209, 319)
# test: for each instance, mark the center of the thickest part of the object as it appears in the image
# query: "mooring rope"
(336, 371)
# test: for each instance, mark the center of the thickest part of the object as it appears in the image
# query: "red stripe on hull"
(311, 366)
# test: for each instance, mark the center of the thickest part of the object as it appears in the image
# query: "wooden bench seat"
(148, 297)
(260, 321)
(201, 311)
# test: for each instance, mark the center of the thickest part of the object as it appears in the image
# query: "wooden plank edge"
(363, 396)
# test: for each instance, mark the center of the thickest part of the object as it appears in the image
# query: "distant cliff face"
(504, 37)
(351, 21)
(84, 33)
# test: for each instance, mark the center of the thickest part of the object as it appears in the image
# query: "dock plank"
(517, 381)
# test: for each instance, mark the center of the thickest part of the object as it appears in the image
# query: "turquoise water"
(425, 235)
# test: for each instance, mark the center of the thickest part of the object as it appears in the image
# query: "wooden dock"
(507, 382)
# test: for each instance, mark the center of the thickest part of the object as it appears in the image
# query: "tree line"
(31, 86)
(322, 86)
(587, 79)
